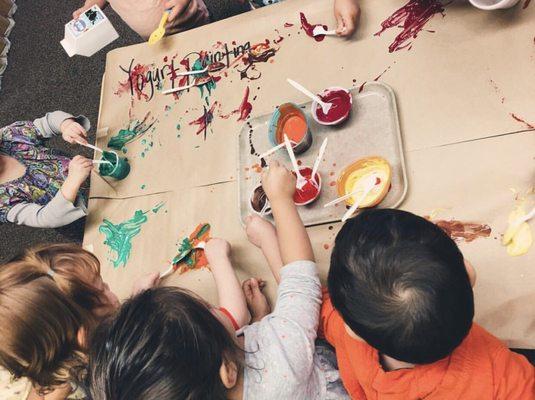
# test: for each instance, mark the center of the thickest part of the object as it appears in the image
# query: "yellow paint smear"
(517, 237)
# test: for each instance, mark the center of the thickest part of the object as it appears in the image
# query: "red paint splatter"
(288, 25)
(299, 162)
(516, 117)
(361, 87)
(381, 74)
(526, 4)
(279, 39)
(464, 231)
(326, 246)
(412, 18)
(136, 82)
(243, 110)
(309, 28)
(333, 183)
(204, 120)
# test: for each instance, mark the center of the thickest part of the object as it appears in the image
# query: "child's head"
(400, 284)
(50, 298)
(164, 344)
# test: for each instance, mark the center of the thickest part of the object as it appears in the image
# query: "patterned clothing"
(46, 170)
(34, 199)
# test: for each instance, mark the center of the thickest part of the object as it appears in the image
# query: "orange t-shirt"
(480, 368)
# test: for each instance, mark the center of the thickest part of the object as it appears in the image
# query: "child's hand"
(216, 250)
(87, 5)
(79, 170)
(278, 182)
(73, 132)
(258, 230)
(146, 282)
(347, 13)
(183, 9)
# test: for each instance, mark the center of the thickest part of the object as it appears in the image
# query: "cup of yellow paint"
(288, 119)
(352, 176)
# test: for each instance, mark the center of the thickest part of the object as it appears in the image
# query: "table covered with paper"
(464, 88)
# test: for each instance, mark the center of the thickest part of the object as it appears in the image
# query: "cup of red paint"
(310, 191)
(259, 202)
(341, 101)
(289, 119)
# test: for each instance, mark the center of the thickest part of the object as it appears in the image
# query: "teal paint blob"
(157, 207)
(117, 167)
(119, 237)
(143, 187)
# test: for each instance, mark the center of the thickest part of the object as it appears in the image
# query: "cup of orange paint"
(288, 119)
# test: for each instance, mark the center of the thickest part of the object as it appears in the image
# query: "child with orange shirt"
(399, 313)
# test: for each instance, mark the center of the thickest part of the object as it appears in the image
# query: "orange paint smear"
(198, 256)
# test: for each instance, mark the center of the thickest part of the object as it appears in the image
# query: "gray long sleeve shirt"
(35, 199)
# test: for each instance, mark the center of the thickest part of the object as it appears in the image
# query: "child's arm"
(263, 235)
(347, 13)
(294, 243)
(229, 291)
(58, 122)
(61, 210)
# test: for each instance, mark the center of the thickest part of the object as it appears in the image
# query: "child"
(144, 16)
(38, 186)
(399, 313)
(179, 347)
(346, 12)
(51, 299)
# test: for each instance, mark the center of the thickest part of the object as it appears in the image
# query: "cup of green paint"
(116, 167)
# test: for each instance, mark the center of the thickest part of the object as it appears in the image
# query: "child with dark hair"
(399, 313)
(166, 344)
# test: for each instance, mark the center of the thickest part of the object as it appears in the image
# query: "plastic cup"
(287, 113)
(493, 4)
(307, 172)
(314, 107)
(118, 169)
(258, 200)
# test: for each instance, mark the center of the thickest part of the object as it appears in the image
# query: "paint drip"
(196, 258)
(259, 53)
(464, 231)
(411, 18)
(135, 83)
(309, 28)
(243, 110)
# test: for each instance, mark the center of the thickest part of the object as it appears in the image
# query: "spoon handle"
(305, 91)
(318, 159)
(292, 156)
(90, 146)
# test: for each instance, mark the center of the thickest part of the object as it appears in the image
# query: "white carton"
(89, 33)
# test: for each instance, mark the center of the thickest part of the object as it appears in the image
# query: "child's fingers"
(349, 27)
(178, 7)
(246, 287)
(339, 24)
(188, 13)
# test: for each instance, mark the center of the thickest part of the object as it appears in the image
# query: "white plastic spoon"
(325, 107)
(301, 180)
(318, 160)
(320, 30)
(274, 149)
(369, 184)
(169, 271)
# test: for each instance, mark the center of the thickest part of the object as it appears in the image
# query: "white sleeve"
(50, 124)
(58, 212)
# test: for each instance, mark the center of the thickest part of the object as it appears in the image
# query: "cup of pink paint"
(341, 104)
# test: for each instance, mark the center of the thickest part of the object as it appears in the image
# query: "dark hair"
(400, 283)
(163, 344)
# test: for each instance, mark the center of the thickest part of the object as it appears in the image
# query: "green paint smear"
(143, 186)
(157, 207)
(120, 140)
(119, 237)
(209, 86)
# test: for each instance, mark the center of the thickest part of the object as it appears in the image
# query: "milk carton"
(89, 33)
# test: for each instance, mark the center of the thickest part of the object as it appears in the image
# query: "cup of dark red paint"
(310, 191)
(341, 101)
(289, 119)
(259, 202)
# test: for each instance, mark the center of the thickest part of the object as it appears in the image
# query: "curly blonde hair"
(46, 299)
